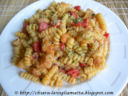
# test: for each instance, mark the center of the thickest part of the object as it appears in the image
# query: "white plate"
(113, 78)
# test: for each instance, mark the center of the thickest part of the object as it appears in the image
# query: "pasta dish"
(61, 43)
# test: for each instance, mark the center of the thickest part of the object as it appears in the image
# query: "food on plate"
(61, 43)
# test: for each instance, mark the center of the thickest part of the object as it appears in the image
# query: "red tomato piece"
(73, 72)
(24, 27)
(106, 35)
(83, 65)
(58, 25)
(37, 46)
(43, 26)
(77, 8)
(85, 23)
(61, 70)
(62, 46)
(76, 24)
(75, 75)
(73, 14)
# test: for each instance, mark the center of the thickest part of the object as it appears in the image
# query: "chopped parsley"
(73, 61)
(52, 12)
(79, 79)
(77, 20)
(93, 14)
(81, 34)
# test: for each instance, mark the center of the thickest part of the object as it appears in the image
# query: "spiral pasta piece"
(20, 35)
(76, 57)
(79, 50)
(57, 39)
(47, 32)
(63, 25)
(59, 83)
(72, 80)
(89, 69)
(33, 27)
(27, 58)
(52, 83)
(62, 8)
(17, 54)
(28, 76)
(64, 76)
(46, 80)
(70, 43)
(66, 60)
(101, 21)
(31, 30)
(90, 61)
(20, 64)
(25, 43)
(56, 80)
(83, 77)
(84, 44)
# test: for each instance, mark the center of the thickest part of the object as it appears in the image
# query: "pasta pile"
(61, 43)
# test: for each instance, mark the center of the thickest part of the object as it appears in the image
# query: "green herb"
(89, 49)
(73, 61)
(82, 34)
(72, 17)
(69, 50)
(61, 67)
(93, 14)
(79, 79)
(52, 12)
(77, 20)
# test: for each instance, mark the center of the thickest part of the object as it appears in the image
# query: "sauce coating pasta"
(61, 43)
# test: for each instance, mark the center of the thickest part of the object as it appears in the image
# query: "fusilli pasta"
(61, 43)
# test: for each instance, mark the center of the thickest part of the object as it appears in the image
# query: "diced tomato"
(37, 46)
(77, 8)
(82, 65)
(24, 27)
(75, 75)
(106, 35)
(73, 14)
(73, 72)
(55, 65)
(62, 46)
(85, 23)
(43, 26)
(61, 70)
(58, 25)
(76, 24)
